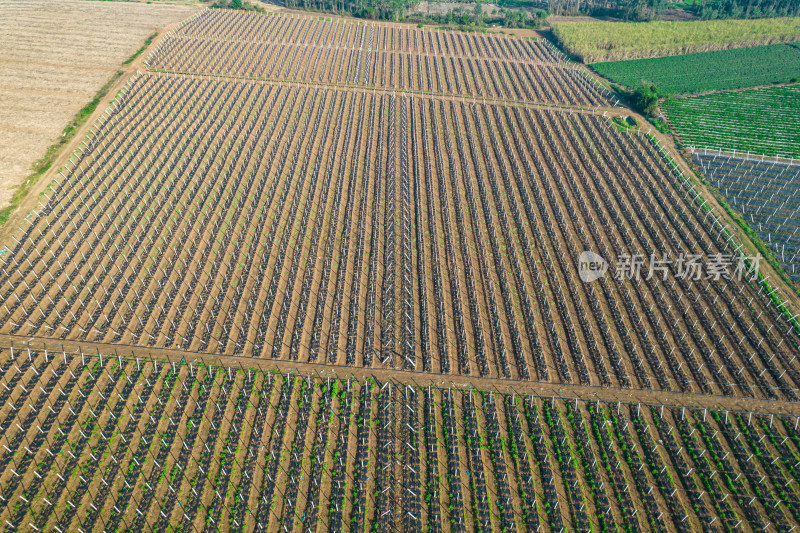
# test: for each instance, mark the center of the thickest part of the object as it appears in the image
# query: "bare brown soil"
(509, 294)
(177, 275)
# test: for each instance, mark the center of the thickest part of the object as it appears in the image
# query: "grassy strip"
(138, 52)
(782, 306)
(624, 123)
(43, 165)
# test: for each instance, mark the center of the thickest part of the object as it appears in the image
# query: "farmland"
(325, 53)
(758, 121)
(766, 193)
(49, 78)
(326, 275)
(237, 221)
(723, 70)
(615, 41)
(334, 259)
(207, 447)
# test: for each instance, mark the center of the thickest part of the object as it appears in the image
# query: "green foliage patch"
(138, 52)
(709, 71)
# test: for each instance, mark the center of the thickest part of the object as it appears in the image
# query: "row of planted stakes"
(199, 248)
(93, 443)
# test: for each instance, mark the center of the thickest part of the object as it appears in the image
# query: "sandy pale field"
(54, 56)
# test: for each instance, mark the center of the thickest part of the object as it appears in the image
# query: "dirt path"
(611, 394)
(427, 95)
(434, 379)
(32, 200)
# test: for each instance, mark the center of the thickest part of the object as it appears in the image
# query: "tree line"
(529, 12)
(370, 9)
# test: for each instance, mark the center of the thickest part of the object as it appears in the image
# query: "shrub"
(645, 99)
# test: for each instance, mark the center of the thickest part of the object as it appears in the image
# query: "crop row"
(228, 25)
(110, 444)
(234, 218)
(767, 193)
(755, 121)
(722, 70)
(388, 70)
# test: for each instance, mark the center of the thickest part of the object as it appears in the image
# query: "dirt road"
(433, 379)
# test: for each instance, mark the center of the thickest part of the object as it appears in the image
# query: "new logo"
(591, 266)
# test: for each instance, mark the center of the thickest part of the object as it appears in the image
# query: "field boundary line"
(567, 391)
(399, 92)
(748, 156)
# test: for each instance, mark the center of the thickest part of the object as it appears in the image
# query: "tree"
(640, 10)
(645, 99)
(478, 11)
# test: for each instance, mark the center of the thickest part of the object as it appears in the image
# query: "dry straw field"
(284, 192)
(55, 56)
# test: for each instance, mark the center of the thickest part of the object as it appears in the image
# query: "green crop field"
(759, 121)
(614, 41)
(725, 69)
